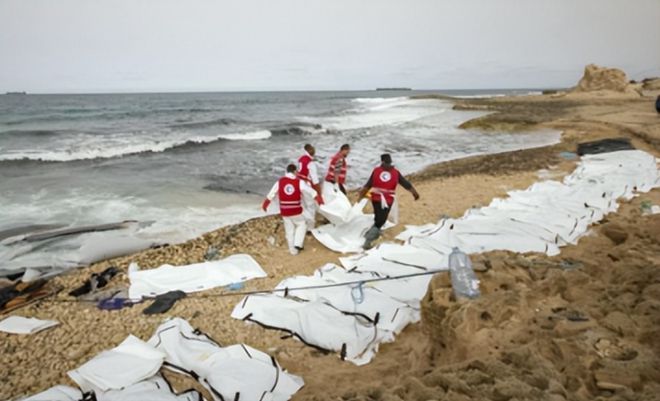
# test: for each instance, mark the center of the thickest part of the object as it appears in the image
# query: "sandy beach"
(539, 331)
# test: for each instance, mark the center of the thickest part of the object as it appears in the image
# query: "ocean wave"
(101, 114)
(205, 124)
(105, 151)
(55, 117)
(39, 133)
(375, 112)
(382, 103)
(248, 136)
(298, 128)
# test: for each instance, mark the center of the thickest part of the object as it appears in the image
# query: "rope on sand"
(276, 290)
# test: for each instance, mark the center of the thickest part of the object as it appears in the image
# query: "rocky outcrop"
(604, 80)
(651, 84)
(651, 88)
(597, 78)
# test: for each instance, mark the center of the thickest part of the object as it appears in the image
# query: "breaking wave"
(123, 147)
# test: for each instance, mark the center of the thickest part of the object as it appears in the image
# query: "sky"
(79, 46)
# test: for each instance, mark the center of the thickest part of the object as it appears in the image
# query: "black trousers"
(380, 214)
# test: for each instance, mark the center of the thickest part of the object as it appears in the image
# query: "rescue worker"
(338, 168)
(291, 192)
(382, 183)
(308, 172)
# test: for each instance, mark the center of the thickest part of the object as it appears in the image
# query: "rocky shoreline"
(539, 331)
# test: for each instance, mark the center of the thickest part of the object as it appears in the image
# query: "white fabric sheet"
(548, 214)
(348, 223)
(390, 314)
(409, 291)
(345, 238)
(337, 208)
(395, 259)
(541, 218)
(224, 370)
(57, 393)
(317, 324)
(191, 278)
(152, 389)
(25, 325)
(130, 362)
(309, 212)
(129, 371)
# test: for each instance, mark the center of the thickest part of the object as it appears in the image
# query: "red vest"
(290, 196)
(342, 172)
(383, 183)
(303, 168)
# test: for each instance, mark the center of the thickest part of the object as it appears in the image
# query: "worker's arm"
(408, 186)
(366, 187)
(317, 188)
(271, 195)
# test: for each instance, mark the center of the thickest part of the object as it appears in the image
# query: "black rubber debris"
(164, 302)
(604, 146)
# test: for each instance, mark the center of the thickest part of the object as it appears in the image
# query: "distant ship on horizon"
(393, 89)
(16, 93)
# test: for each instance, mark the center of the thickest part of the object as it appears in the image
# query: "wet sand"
(539, 330)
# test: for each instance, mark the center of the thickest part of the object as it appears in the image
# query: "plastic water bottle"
(463, 280)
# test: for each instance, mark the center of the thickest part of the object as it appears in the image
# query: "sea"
(184, 164)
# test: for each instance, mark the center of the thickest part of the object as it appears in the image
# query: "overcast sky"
(203, 45)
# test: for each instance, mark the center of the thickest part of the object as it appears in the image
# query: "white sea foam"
(161, 220)
(380, 100)
(248, 136)
(88, 147)
(379, 112)
(418, 132)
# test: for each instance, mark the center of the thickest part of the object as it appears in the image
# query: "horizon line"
(156, 92)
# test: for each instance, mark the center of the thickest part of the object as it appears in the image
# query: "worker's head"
(291, 168)
(310, 149)
(345, 149)
(386, 159)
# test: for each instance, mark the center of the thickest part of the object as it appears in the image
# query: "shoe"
(300, 248)
(370, 236)
(294, 251)
(96, 281)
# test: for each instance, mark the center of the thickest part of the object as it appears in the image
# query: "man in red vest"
(308, 172)
(383, 182)
(291, 192)
(338, 168)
